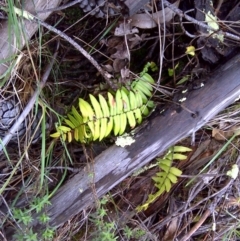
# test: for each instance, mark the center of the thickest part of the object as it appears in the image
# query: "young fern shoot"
(167, 176)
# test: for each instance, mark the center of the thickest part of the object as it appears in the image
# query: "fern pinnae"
(98, 126)
(133, 100)
(86, 110)
(147, 77)
(143, 96)
(103, 129)
(143, 87)
(119, 102)
(112, 105)
(104, 105)
(167, 176)
(139, 99)
(126, 102)
(64, 129)
(127, 108)
(138, 115)
(172, 177)
(116, 124)
(123, 118)
(99, 117)
(76, 115)
(144, 110)
(109, 126)
(96, 106)
(71, 122)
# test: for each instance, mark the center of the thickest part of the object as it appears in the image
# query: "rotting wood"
(8, 40)
(155, 136)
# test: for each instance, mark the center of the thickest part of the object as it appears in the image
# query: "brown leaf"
(108, 68)
(172, 226)
(112, 43)
(125, 29)
(135, 40)
(119, 64)
(148, 21)
(221, 135)
(125, 73)
(121, 52)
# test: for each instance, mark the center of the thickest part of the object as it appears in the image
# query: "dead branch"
(182, 14)
(30, 104)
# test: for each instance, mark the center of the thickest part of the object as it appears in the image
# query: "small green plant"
(168, 175)
(135, 233)
(96, 119)
(22, 216)
(24, 219)
(26, 236)
(104, 230)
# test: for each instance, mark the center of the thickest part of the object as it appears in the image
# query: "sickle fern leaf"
(168, 175)
(97, 118)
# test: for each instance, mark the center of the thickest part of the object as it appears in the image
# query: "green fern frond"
(97, 118)
(168, 174)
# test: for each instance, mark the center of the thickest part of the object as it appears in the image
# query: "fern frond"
(97, 118)
(168, 175)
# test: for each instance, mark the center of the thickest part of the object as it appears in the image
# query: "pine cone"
(101, 8)
(9, 112)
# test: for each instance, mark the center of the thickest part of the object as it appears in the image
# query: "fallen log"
(155, 135)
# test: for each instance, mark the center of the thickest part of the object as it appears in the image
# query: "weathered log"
(155, 136)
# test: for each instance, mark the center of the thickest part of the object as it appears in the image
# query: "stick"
(30, 104)
(182, 14)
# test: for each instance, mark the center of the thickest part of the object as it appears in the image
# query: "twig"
(181, 210)
(59, 8)
(25, 14)
(30, 104)
(220, 2)
(182, 14)
(71, 169)
(78, 47)
(196, 226)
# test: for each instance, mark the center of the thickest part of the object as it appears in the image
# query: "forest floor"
(204, 179)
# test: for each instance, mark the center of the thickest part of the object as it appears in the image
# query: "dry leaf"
(125, 29)
(121, 52)
(119, 64)
(136, 40)
(148, 21)
(125, 73)
(108, 68)
(173, 225)
(221, 135)
(112, 43)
